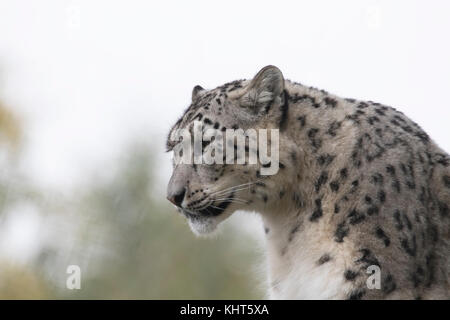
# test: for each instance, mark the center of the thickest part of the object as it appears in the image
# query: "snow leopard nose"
(177, 197)
(177, 188)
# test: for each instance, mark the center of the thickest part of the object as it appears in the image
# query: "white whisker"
(236, 186)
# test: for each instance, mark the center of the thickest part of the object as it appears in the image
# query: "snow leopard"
(359, 207)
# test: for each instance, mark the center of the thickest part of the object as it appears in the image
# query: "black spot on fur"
(354, 118)
(372, 210)
(379, 132)
(356, 294)
(395, 122)
(302, 120)
(418, 276)
(382, 196)
(431, 268)
(344, 173)
(422, 136)
(380, 112)
(371, 120)
(377, 179)
(334, 126)
(341, 232)
(334, 186)
(321, 180)
(312, 135)
(388, 284)
(432, 231)
(396, 186)
(407, 221)
(336, 208)
(323, 259)
(382, 235)
(350, 275)
(325, 159)
(317, 212)
(297, 200)
(293, 156)
(410, 248)
(391, 170)
(293, 232)
(422, 195)
(368, 258)
(442, 159)
(443, 209)
(446, 180)
(356, 217)
(312, 132)
(356, 158)
(362, 105)
(330, 102)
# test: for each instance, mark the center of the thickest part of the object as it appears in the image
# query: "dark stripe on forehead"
(284, 111)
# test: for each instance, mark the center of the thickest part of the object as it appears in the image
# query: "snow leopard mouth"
(212, 210)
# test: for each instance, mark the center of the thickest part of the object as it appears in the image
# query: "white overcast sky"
(88, 76)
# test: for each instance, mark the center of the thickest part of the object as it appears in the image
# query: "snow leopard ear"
(196, 91)
(266, 86)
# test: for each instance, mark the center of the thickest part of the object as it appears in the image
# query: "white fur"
(308, 281)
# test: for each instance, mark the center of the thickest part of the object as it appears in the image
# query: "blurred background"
(89, 90)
